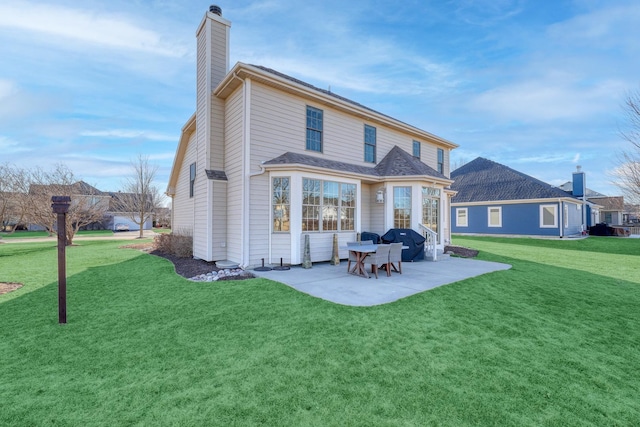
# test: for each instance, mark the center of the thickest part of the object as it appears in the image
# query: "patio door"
(431, 209)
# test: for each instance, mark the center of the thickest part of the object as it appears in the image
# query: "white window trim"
(555, 216)
(466, 216)
(499, 208)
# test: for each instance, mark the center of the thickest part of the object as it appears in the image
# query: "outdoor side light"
(380, 196)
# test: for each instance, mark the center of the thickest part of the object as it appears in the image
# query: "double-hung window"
(328, 205)
(369, 144)
(462, 217)
(192, 179)
(548, 216)
(314, 129)
(416, 149)
(440, 160)
(494, 214)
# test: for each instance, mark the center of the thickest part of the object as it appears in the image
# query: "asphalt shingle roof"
(216, 175)
(483, 180)
(397, 162)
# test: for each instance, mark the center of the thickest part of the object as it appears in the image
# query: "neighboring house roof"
(483, 180)
(614, 203)
(568, 187)
(80, 187)
(397, 163)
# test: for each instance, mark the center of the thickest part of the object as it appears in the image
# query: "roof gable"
(483, 180)
(398, 162)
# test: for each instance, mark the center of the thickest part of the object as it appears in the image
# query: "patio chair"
(379, 258)
(395, 257)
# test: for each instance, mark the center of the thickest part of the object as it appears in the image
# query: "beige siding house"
(267, 159)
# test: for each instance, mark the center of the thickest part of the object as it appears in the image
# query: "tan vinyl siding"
(260, 202)
(279, 125)
(183, 204)
(372, 212)
(219, 207)
(321, 245)
(219, 64)
(216, 146)
(200, 215)
(280, 248)
(233, 168)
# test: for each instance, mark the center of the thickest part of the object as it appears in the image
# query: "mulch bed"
(186, 267)
(461, 251)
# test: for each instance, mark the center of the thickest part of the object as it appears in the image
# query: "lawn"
(553, 341)
(40, 234)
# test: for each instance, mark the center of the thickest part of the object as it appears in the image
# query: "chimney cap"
(215, 9)
(578, 168)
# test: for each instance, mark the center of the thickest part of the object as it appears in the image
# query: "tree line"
(25, 197)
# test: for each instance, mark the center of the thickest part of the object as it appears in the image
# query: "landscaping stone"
(225, 274)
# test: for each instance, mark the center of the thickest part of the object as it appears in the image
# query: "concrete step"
(440, 256)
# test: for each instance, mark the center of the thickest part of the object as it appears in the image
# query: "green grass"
(40, 234)
(23, 235)
(553, 341)
(162, 230)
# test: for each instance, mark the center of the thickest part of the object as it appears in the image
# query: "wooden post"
(60, 207)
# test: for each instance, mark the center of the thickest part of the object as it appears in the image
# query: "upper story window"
(416, 149)
(314, 129)
(192, 179)
(440, 160)
(369, 144)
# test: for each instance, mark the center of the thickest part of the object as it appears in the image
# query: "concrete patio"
(333, 283)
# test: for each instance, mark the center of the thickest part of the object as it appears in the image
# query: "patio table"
(361, 253)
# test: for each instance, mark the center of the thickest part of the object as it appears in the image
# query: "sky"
(537, 85)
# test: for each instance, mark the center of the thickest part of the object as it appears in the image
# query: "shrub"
(180, 245)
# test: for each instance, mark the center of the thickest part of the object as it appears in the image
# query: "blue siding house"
(495, 199)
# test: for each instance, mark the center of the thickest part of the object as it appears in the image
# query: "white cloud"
(486, 12)
(83, 26)
(7, 88)
(130, 134)
(9, 146)
(548, 98)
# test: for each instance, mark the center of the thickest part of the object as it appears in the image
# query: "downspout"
(561, 217)
(246, 166)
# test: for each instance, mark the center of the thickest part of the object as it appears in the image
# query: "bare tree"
(458, 163)
(88, 205)
(627, 174)
(14, 189)
(139, 198)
